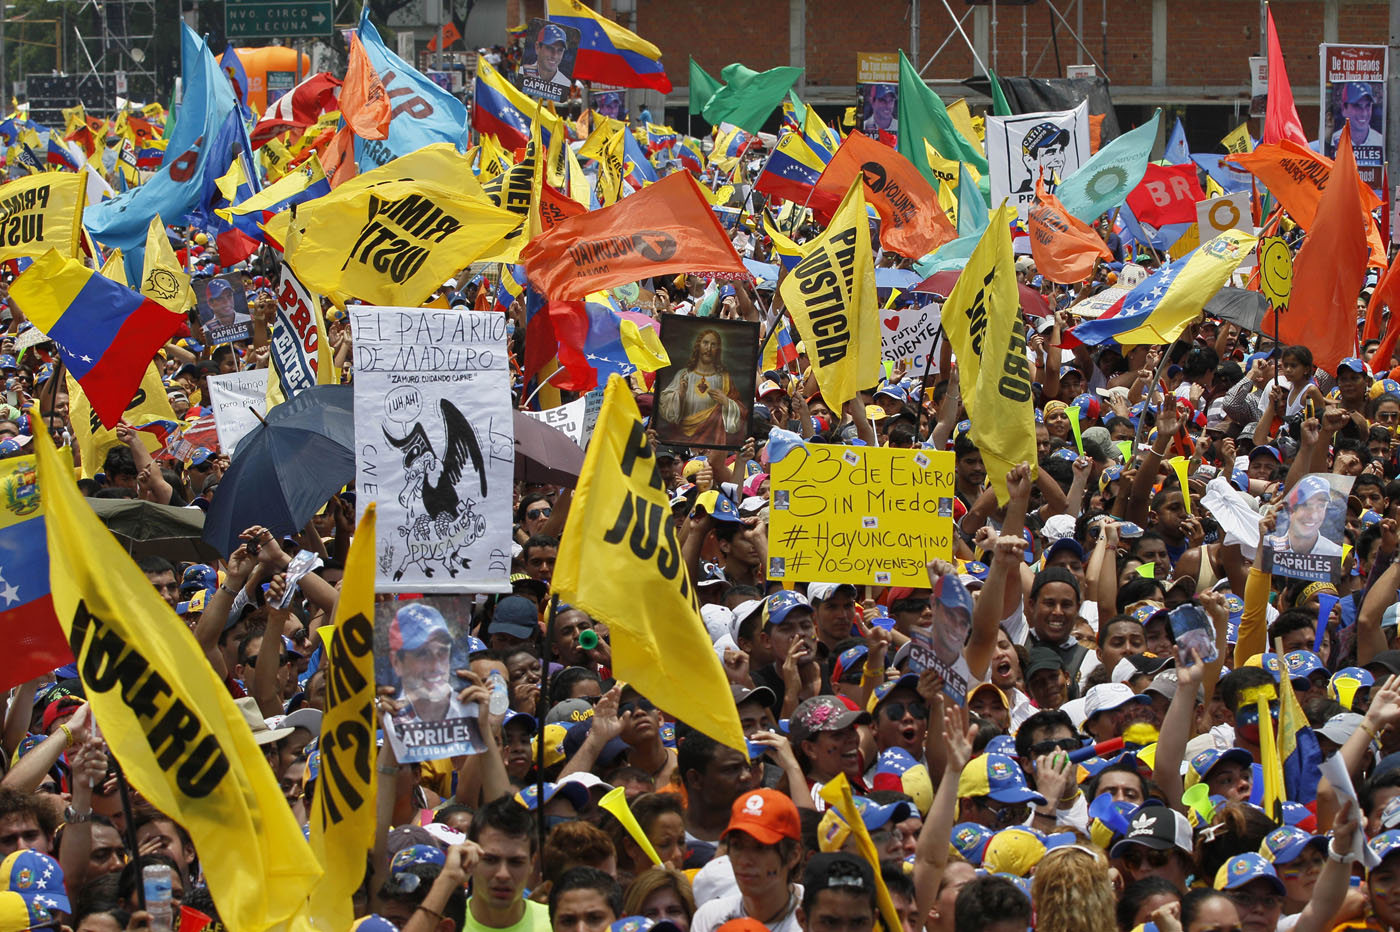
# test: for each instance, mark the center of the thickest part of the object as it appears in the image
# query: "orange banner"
(363, 101)
(912, 224)
(663, 229)
(1064, 247)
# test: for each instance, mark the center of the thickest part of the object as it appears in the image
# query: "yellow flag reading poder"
(620, 562)
(168, 718)
(831, 297)
(983, 322)
(342, 818)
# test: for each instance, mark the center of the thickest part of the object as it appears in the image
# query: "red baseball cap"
(766, 815)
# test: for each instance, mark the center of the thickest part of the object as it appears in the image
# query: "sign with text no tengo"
(871, 515)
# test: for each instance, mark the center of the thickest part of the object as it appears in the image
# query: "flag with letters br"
(620, 562)
(168, 717)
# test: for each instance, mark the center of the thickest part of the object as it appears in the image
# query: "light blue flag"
(174, 190)
(1178, 152)
(951, 255)
(1104, 181)
(972, 206)
(633, 155)
(1233, 180)
(423, 113)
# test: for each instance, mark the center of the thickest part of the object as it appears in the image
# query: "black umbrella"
(545, 454)
(287, 467)
(147, 529)
(1239, 306)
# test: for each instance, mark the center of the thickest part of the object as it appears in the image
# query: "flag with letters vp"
(620, 562)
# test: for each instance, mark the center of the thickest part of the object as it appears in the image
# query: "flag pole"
(923, 380)
(129, 829)
(540, 709)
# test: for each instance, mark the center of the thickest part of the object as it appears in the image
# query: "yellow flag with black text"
(41, 212)
(149, 404)
(169, 718)
(831, 297)
(342, 815)
(620, 562)
(392, 243)
(982, 319)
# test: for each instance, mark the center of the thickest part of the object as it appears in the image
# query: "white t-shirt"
(719, 911)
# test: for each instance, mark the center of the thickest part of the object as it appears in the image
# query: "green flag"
(922, 115)
(999, 105)
(702, 87)
(749, 97)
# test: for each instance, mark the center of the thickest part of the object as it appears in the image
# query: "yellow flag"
(167, 716)
(620, 562)
(42, 212)
(837, 794)
(947, 169)
(342, 816)
(961, 116)
(163, 280)
(948, 200)
(150, 403)
(392, 243)
(1238, 140)
(831, 297)
(514, 190)
(611, 168)
(492, 158)
(115, 267)
(982, 319)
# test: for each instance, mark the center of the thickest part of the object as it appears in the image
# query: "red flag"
(912, 223)
(1063, 246)
(1330, 270)
(1281, 120)
(298, 109)
(363, 101)
(665, 228)
(1167, 194)
(449, 35)
(555, 207)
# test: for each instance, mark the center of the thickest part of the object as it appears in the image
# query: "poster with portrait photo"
(879, 110)
(419, 645)
(222, 305)
(608, 101)
(705, 396)
(1020, 147)
(1353, 93)
(547, 65)
(939, 646)
(1309, 529)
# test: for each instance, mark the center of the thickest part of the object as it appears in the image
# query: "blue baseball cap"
(218, 286)
(551, 34)
(416, 854)
(414, 625)
(1308, 487)
(970, 840)
(1385, 844)
(1347, 682)
(1203, 763)
(1002, 744)
(848, 662)
(718, 507)
(1267, 450)
(893, 391)
(199, 576)
(575, 793)
(643, 924)
(1355, 365)
(780, 604)
(8, 362)
(1355, 90)
(1301, 663)
(999, 777)
(1284, 845)
(1246, 868)
(36, 877)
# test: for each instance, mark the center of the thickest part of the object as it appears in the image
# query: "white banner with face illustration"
(1019, 147)
(435, 446)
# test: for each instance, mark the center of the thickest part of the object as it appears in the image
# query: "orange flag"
(1386, 295)
(338, 159)
(449, 35)
(363, 101)
(1329, 270)
(912, 224)
(1281, 117)
(1064, 247)
(1296, 175)
(665, 228)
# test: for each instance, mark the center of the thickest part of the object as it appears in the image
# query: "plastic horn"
(615, 801)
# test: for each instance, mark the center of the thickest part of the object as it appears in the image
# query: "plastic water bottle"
(155, 878)
(500, 695)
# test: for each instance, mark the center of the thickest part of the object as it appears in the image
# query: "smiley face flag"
(1275, 271)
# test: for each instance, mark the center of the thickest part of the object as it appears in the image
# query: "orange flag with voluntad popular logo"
(363, 101)
(1329, 270)
(911, 222)
(1064, 247)
(665, 228)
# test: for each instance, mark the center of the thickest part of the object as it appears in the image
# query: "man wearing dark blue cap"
(421, 654)
(1357, 101)
(550, 45)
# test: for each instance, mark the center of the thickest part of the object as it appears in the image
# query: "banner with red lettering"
(298, 340)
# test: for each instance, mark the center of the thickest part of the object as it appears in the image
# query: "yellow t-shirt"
(534, 919)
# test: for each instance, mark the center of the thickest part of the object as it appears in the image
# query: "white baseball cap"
(1106, 697)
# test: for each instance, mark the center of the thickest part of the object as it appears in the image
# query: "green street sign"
(296, 19)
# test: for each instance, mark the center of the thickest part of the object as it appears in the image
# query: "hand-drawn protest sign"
(577, 418)
(860, 515)
(1021, 147)
(910, 334)
(436, 445)
(235, 396)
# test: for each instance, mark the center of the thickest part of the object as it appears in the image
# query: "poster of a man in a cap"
(880, 104)
(223, 309)
(1308, 529)
(548, 61)
(1353, 95)
(1357, 108)
(1043, 149)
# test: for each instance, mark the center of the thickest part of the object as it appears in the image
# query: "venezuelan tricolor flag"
(500, 109)
(608, 53)
(792, 170)
(689, 152)
(785, 250)
(106, 333)
(511, 287)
